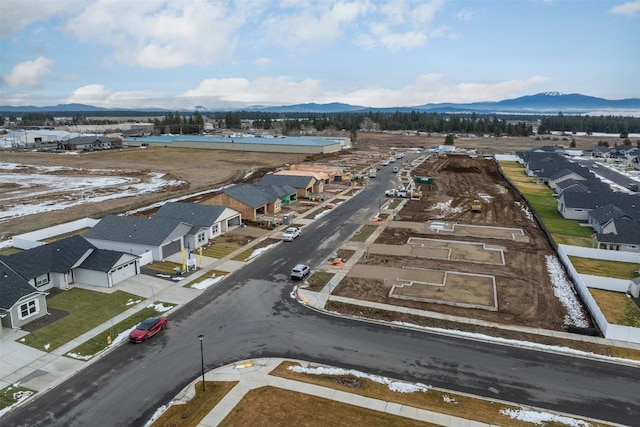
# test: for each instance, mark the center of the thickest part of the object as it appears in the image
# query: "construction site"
(468, 247)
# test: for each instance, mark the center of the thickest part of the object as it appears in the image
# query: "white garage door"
(123, 272)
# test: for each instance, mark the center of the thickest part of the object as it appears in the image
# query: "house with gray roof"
(286, 193)
(90, 143)
(71, 260)
(247, 199)
(20, 302)
(567, 173)
(208, 221)
(619, 234)
(570, 185)
(304, 185)
(602, 215)
(153, 239)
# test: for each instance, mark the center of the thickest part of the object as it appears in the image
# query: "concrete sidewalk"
(255, 374)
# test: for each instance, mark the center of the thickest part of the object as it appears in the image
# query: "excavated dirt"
(524, 291)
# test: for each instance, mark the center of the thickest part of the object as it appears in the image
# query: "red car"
(147, 328)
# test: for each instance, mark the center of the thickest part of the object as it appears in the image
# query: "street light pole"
(201, 337)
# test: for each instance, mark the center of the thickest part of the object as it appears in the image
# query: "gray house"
(74, 259)
(154, 239)
(304, 185)
(208, 221)
(619, 234)
(20, 302)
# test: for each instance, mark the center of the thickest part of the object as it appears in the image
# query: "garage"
(171, 248)
(123, 272)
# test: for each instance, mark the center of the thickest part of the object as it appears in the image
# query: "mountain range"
(541, 103)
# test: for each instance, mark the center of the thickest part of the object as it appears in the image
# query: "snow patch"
(261, 250)
(157, 414)
(525, 210)
(449, 399)
(445, 207)
(18, 396)
(563, 290)
(132, 301)
(393, 385)
(160, 307)
(47, 346)
(536, 417)
(207, 282)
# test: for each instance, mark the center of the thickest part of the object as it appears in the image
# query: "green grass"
(87, 309)
(598, 267)
(364, 233)
(88, 349)
(541, 199)
(165, 267)
(617, 308)
(393, 204)
(12, 394)
(561, 239)
(345, 254)
(209, 275)
(220, 250)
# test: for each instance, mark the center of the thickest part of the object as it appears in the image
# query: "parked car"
(300, 271)
(290, 234)
(395, 170)
(595, 166)
(147, 328)
(391, 193)
(632, 187)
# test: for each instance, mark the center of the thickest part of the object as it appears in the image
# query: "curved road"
(252, 315)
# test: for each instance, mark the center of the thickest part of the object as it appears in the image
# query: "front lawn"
(617, 307)
(95, 345)
(364, 233)
(87, 309)
(12, 395)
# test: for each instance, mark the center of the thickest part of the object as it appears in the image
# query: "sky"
(376, 53)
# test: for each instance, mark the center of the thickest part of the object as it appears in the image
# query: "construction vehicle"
(416, 193)
(476, 206)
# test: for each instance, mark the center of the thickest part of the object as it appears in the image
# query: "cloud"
(465, 14)
(320, 25)
(99, 96)
(243, 92)
(434, 88)
(162, 34)
(263, 60)
(28, 74)
(16, 15)
(629, 9)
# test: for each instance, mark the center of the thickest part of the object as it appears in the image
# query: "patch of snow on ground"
(132, 301)
(161, 308)
(501, 189)
(446, 207)
(321, 214)
(207, 282)
(485, 197)
(164, 276)
(293, 292)
(122, 336)
(449, 399)
(563, 289)
(525, 210)
(393, 385)
(261, 250)
(47, 346)
(19, 397)
(157, 414)
(82, 189)
(536, 417)
(77, 356)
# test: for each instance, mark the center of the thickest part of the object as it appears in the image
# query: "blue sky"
(236, 53)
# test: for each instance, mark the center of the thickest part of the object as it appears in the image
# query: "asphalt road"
(607, 173)
(251, 314)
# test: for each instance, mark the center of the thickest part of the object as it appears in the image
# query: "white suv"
(300, 271)
(290, 234)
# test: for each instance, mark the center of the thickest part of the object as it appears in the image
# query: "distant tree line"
(589, 124)
(427, 122)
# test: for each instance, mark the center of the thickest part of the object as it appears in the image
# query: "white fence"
(35, 238)
(610, 331)
(146, 258)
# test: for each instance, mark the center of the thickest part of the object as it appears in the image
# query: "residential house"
(305, 185)
(619, 234)
(71, 260)
(153, 239)
(20, 302)
(247, 199)
(208, 221)
(286, 193)
(601, 216)
(575, 174)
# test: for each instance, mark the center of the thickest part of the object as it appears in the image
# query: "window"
(28, 309)
(201, 237)
(215, 229)
(42, 280)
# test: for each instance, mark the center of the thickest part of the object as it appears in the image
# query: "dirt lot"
(524, 292)
(197, 170)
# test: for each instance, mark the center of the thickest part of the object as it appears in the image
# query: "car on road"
(290, 234)
(148, 328)
(385, 163)
(594, 166)
(391, 193)
(395, 170)
(632, 187)
(300, 271)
